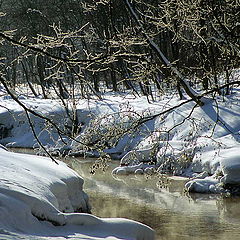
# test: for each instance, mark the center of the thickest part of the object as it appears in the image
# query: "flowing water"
(169, 211)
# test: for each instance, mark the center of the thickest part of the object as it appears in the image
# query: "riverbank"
(166, 136)
(42, 199)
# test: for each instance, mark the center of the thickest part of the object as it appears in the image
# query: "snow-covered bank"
(36, 194)
(15, 128)
(201, 143)
(187, 140)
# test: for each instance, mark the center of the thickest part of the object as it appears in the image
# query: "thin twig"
(36, 137)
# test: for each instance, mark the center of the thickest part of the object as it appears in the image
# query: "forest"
(90, 46)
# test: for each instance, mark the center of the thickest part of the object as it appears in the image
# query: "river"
(173, 214)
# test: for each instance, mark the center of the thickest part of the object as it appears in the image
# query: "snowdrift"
(40, 198)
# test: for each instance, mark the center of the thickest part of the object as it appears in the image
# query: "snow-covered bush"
(113, 133)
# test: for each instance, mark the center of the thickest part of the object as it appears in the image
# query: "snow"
(14, 119)
(200, 143)
(137, 169)
(185, 141)
(230, 163)
(205, 140)
(206, 185)
(41, 198)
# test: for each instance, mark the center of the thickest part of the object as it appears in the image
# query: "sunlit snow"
(42, 199)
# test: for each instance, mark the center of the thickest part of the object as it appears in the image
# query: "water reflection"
(229, 209)
(169, 211)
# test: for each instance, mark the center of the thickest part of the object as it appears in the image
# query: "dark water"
(169, 211)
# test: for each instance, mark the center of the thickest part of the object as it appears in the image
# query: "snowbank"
(15, 128)
(16, 132)
(190, 141)
(227, 174)
(186, 141)
(36, 195)
(45, 187)
(230, 163)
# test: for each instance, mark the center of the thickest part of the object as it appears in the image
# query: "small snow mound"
(129, 229)
(137, 169)
(120, 171)
(206, 185)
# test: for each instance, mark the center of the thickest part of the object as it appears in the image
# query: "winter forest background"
(85, 47)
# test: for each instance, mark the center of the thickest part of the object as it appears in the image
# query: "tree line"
(85, 47)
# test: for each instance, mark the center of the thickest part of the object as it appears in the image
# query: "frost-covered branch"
(190, 92)
(37, 139)
(45, 53)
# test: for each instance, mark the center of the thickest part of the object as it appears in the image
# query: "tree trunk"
(182, 81)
